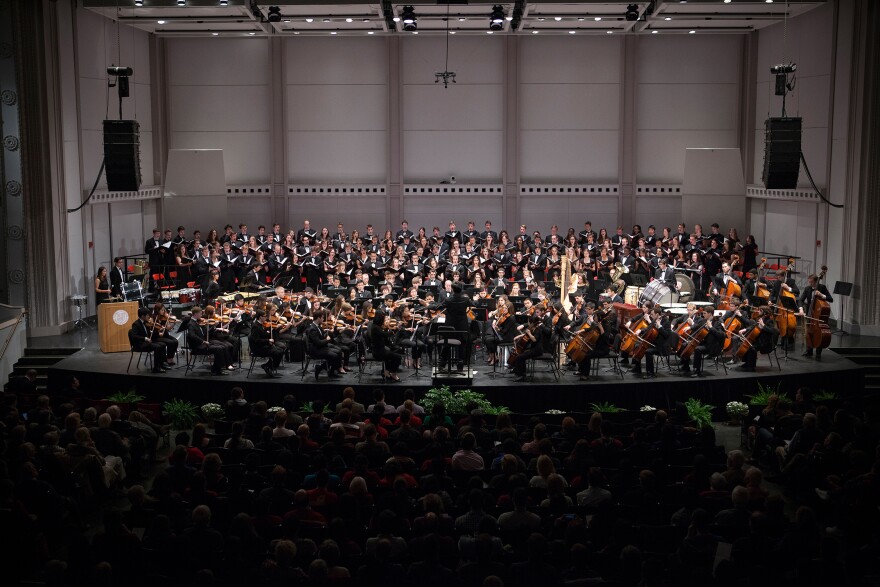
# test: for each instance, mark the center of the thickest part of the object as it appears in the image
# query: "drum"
(677, 311)
(702, 304)
(658, 292)
(632, 295)
(670, 306)
(686, 287)
(79, 301)
(190, 296)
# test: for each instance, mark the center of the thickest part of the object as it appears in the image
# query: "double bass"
(762, 292)
(818, 333)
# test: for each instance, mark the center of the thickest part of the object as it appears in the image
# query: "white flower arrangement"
(274, 409)
(735, 409)
(556, 412)
(647, 408)
(213, 410)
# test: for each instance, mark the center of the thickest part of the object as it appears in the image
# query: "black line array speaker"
(122, 155)
(782, 153)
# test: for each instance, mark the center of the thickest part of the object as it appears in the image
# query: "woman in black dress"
(102, 286)
(381, 351)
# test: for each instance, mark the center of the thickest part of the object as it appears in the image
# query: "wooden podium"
(114, 322)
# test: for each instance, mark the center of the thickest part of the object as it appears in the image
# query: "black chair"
(254, 356)
(365, 355)
(612, 359)
(551, 359)
(149, 353)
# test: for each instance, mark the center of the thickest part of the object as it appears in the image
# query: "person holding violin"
(321, 347)
(242, 316)
(140, 337)
(381, 350)
(409, 334)
(768, 331)
(198, 339)
(813, 292)
(502, 328)
(262, 343)
(219, 332)
(531, 341)
(162, 323)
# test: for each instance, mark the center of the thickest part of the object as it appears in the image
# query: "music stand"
(638, 279)
(844, 290)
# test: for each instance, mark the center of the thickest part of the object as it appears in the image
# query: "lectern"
(114, 322)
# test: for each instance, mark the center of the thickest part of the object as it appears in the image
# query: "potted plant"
(183, 414)
(736, 411)
(456, 402)
(125, 400)
(212, 412)
(700, 413)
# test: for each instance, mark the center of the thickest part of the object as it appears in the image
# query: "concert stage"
(104, 374)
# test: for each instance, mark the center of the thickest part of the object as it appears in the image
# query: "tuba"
(618, 286)
(618, 270)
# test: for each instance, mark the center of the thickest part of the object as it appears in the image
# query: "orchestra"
(637, 295)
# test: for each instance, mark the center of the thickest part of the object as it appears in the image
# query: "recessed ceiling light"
(415, 32)
(654, 32)
(252, 34)
(489, 32)
(451, 32)
(370, 33)
(295, 32)
(348, 20)
(396, 19)
(541, 18)
(332, 32)
(557, 18)
(692, 32)
(215, 34)
(769, 1)
(365, 20)
(571, 32)
(160, 21)
(727, 1)
(224, 2)
(287, 20)
(139, 2)
(326, 20)
(310, 19)
(580, 19)
(508, 18)
(598, 18)
(534, 32)
(668, 18)
(609, 32)
(461, 19)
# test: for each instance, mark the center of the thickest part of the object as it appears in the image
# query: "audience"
(483, 501)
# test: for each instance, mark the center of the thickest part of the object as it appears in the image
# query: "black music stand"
(844, 290)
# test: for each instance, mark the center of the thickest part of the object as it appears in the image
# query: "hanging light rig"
(445, 75)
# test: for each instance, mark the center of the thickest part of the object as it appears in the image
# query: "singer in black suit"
(117, 277)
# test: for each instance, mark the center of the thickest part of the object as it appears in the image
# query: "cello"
(818, 333)
(646, 340)
(629, 342)
(762, 292)
(786, 321)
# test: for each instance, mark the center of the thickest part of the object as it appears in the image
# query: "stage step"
(869, 360)
(39, 359)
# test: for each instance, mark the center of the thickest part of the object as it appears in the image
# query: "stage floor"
(104, 374)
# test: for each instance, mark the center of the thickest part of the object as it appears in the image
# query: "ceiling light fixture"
(410, 22)
(496, 19)
(597, 18)
(224, 2)
(349, 20)
(557, 18)
(461, 19)
(446, 75)
(215, 34)
(632, 12)
(274, 14)
(571, 32)
(310, 19)
(370, 33)
(534, 32)
(692, 32)
(138, 3)
(160, 21)
(252, 34)
(332, 32)
(181, 2)
(489, 32)
(654, 32)
(451, 32)
(668, 18)
(727, 1)
(609, 32)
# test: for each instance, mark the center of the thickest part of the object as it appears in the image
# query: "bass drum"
(658, 292)
(632, 295)
(686, 288)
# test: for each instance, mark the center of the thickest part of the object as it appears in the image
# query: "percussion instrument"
(190, 296)
(686, 287)
(677, 311)
(702, 304)
(632, 295)
(79, 301)
(658, 292)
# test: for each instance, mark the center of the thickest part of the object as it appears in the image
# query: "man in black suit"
(196, 338)
(403, 232)
(321, 348)
(452, 234)
(139, 336)
(471, 232)
(721, 280)
(766, 338)
(486, 233)
(306, 230)
(117, 277)
(155, 254)
(665, 274)
(456, 306)
(712, 344)
(263, 345)
(814, 290)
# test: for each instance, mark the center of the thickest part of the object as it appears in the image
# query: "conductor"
(456, 306)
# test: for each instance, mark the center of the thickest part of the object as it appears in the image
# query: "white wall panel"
(246, 155)
(102, 249)
(540, 212)
(700, 59)
(353, 212)
(475, 60)
(551, 156)
(337, 157)
(337, 107)
(569, 106)
(687, 107)
(219, 108)
(468, 107)
(432, 156)
(660, 153)
(127, 230)
(590, 59)
(210, 61)
(252, 211)
(791, 230)
(335, 60)
(659, 211)
(438, 211)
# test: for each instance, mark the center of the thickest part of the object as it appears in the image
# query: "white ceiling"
(250, 17)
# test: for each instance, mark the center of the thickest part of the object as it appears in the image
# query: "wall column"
(510, 178)
(627, 176)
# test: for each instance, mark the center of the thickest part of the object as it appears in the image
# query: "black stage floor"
(104, 374)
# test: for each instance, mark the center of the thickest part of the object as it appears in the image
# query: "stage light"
(224, 2)
(138, 3)
(181, 2)
(632, 12)
(160, 22)
(274, 14)
(410, 22)
(310, 20)
(496, 19)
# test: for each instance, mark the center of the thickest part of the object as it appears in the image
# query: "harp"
(565, 283)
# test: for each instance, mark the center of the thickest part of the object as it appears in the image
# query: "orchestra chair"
(254, 357)
(365, 355)
(307, 359)
(772, 354)
(191, 355)
(551, 359)
(717, 360)
(140, 353)
(612, 361)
